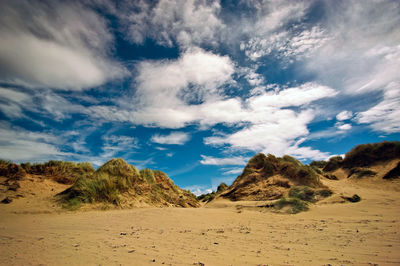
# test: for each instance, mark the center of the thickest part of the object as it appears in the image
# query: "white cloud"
(344, 115)
(185, 22)
(55, 45)
(199, 189)
(343, 126)
(385, 116)
(17, 144)
(12, 102)
(114, 145)
(295, 96)
(234, 171)
(195, 76)
(178, 138)
(269, 33)
(362, 58)
(209, 160)
(272, 127)
(265, 120)
(171, 93)
(275, 134)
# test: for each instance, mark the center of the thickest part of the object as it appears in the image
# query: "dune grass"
(302, 192)
(369, 154)
(309, 194)
(333, 164)
(11, 170)
(300, 197)
(117, 180)
(318, 164)
(360, 172)
(286, 166)
(296, 205)
(105, 185)
(210, 196)
(60, 171)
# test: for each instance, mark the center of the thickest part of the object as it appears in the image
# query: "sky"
(196, 88)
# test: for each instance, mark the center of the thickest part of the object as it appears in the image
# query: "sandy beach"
(330, 233)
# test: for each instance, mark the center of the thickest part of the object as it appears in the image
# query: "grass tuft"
(360, 172)
(333, 164)
(296, 205)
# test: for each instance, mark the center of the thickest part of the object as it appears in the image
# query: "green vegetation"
(318, 164)
(292, 160)
(62, 172)
(11, 170)
(302, 192)
(361, 172)
(222, 187)
(300, 197)
(116, 180)
(210, 196)
(207, 197)
(148, 174)
(105, 185)
(287, 166)
(369, 154)
(333, 164)
(330, 176)
(309, 194)
(59, 171)
(325, 192)
(296, 205)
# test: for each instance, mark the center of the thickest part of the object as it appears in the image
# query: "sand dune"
(363, 233)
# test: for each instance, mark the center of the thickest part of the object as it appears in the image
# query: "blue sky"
(195, 88)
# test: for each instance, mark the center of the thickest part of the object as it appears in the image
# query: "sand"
(222, 233)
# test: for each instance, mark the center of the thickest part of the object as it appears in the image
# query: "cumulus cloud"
(184, 22)
(61, 45)
(171, 93)
(269, 121)
(195, 76)
(344, 115)
(271, 126)
(177, 138)
(343, 126)
(209, 160)
(354, 49)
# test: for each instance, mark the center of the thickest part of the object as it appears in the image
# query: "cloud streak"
(177, 138)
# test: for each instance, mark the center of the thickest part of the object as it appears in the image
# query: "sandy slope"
(363, 233)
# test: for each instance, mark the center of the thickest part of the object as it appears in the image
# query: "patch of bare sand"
(363, 233)
(35, 195)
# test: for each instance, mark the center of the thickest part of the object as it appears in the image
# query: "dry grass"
(269, 177)
(369, 154)
(210, 196)
(117, 183)
(11, 170)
